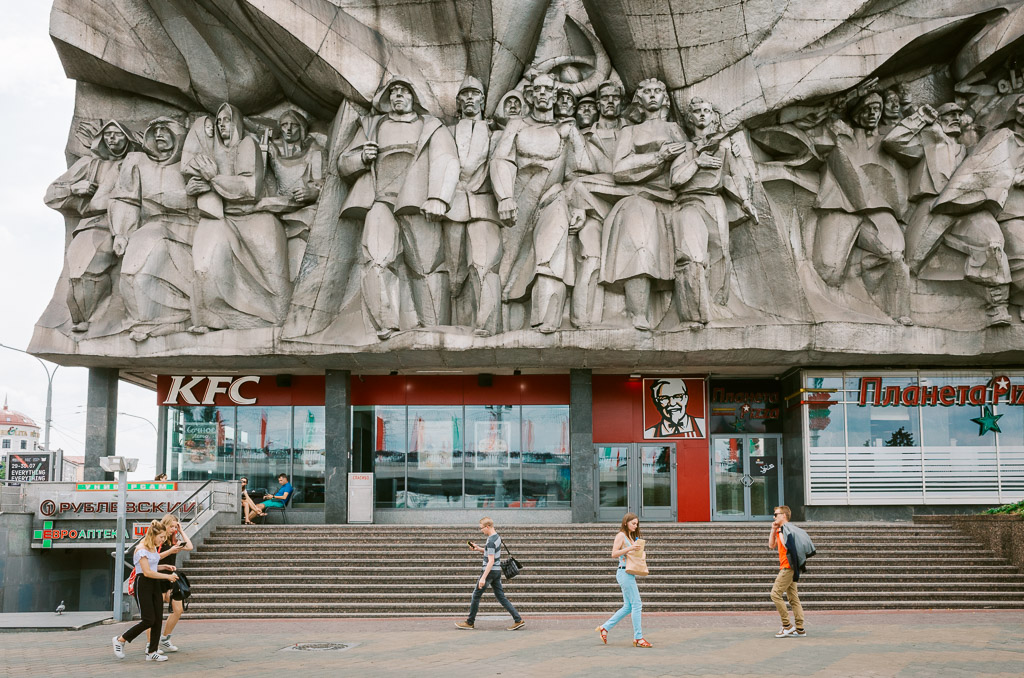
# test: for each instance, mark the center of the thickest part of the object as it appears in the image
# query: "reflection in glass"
(492, 456)
(764, 475)
(655, 471)
(546, 480)
(612, 469)
(435, 457)
(264, 448)
(201, 443)
(381, 431)
(308, 465)
(728, 459)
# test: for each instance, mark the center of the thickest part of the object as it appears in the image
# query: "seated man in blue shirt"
(279, 500)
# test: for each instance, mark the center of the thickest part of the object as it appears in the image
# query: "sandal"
(641, 643)
(604, 634)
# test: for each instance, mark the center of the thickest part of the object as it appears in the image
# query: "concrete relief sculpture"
(404, 169)
(564, 183)
(83, 192)
(240, 252)
(153, 219)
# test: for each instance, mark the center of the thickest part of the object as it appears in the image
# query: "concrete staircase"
(394, 570)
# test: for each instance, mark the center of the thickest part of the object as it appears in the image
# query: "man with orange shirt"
(788, 576)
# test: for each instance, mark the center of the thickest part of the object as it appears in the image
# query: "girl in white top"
(625, 542)
(148, 592)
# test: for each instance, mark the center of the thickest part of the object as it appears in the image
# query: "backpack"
(184, 588)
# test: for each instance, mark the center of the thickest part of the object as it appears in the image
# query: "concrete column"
(581, 438)
(338, 440)
(100, 421)
(161, 440)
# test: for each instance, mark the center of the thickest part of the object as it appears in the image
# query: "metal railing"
(12, 496)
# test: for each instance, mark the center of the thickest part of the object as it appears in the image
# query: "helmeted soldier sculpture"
(586, 112)
(985, 192)
(83, 192)
(861, 194)
(708, 184)
(472, 227)
(595, 194)
(296, 174)
(154, 220)
(241, 258)
(532, 159)
(404, 169)
(928, 142)
(636, 244)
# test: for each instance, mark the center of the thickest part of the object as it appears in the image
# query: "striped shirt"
(493, 548)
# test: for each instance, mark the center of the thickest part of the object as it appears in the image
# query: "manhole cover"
(319, 647)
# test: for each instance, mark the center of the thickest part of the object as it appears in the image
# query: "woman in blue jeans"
(625, 541)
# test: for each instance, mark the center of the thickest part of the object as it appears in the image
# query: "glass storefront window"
(492, 457)
(546, 479)
(309, 456)
(201, 443)
(380, 433)
(263, 447)
(826, 424)
(435, 457)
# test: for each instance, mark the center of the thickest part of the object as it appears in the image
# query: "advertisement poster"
(313, 453)
(434, 442)
(28, 467)
(199, 445)
(493, 442)
(674, 409)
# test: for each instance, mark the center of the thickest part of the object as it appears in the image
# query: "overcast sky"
(38, 101)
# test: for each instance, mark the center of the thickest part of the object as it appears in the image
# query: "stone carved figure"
(586, 112)
(296, 170)
(595, 194)
(404, 169)
(986, 194)
(532, 160)
(708, 183)
(636, 244)
(241, 258)
(511, 105)
(154, 220)
(84, 192)
(472, 227)
(565, 103)
(860, 196)
(928, 142)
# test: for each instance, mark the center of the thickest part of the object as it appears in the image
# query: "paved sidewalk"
(50, 621)
(922, 644)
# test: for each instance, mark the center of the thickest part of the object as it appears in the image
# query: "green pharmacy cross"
(38, 534)
(987, 421)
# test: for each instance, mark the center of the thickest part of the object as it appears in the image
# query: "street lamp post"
(135, 416)
(121, 465)
(49, 395)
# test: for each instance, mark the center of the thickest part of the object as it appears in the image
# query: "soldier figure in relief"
(154, 221)
(708, 184)
(860, 196)
(985, 193)
(404, 168)
(636, 242)
(595, 194)
(472, 227)
(532, 160)
(84, 192)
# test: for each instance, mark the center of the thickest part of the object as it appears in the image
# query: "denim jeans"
(494, 581)
(631, 604)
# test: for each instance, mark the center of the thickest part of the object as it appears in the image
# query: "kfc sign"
(203, 390)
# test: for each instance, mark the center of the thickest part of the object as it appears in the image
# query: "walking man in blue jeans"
(491, 576)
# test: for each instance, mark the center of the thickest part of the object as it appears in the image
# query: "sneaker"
(785, 631)
(118, 648)
(799, 633)
(156, 657)
(166, 645)
(463, 625)
(517, 625)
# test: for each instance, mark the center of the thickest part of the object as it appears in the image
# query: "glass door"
(746, 478)
(636, 478)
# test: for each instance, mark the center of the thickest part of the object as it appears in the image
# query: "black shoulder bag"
(510, 566)
(184, 588)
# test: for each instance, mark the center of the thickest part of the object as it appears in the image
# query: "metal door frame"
(744, 457)
(634, 484)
